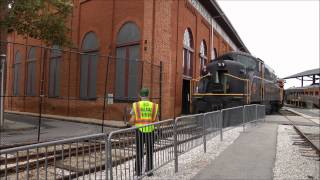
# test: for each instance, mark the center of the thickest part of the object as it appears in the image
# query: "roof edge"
(224, 22)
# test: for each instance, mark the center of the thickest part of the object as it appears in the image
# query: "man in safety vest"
(144, 112)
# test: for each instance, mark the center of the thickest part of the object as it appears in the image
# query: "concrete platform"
(251, 156)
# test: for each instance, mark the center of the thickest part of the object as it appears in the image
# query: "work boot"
(150, 174)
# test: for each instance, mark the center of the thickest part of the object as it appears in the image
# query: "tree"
(40, 19)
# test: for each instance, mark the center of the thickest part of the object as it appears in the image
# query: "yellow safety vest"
(145, 112)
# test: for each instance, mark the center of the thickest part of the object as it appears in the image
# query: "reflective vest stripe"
(135, 112)
(138, 111)
(153, 115)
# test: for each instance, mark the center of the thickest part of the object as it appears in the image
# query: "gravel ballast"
(290, 164)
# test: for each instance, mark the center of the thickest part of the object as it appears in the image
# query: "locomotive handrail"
(224, 94)
(201, 77)
(257, 77)
(227, 74)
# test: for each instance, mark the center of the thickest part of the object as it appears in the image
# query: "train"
(307, 96)
(236, 79)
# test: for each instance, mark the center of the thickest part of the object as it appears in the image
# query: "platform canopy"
(305, 73)
(314, 74)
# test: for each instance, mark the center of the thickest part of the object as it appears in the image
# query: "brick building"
(183, 34)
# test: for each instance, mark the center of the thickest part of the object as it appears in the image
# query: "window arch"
(187, 53)
(88, 66)
(16, 73)
(54, 71)
(127, 65)
(203, 57)
(31, 72)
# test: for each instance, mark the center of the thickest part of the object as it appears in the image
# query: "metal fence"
(130, 154)
(62, 159)
(44, 85)
(125, 153)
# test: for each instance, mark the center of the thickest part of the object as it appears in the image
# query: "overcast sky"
(283, 33)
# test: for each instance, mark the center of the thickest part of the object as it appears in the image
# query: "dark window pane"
(90, 41)
(128, 33)
(32, 54)
(54, 72)
(127, 78)
(187, 52)
(17, 58)
(120, 72)
(31, 72)
(54, 80)
(88, 66)
(93, 60)
(185, 61)
(51, 77)
(16, 73)
(248, 62)
(57, 78)
(16, 80)
(84, 76)
(133, 80)
(31, 78)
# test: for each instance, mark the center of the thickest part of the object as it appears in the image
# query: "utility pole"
(3, 62)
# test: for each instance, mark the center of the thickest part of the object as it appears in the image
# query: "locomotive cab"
(213, 90)
(236, 79)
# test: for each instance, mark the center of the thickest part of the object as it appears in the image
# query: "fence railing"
(125, 153)
(62, 159)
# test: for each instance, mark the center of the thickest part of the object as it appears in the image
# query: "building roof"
(305, 73)
(215, 11)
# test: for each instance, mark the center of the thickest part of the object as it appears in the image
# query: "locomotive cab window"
(249, 63)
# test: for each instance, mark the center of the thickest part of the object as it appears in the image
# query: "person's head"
(144, 93)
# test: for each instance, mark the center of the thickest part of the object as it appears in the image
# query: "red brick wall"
(162, 25)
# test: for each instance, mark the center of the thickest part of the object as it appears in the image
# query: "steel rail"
(299, 131)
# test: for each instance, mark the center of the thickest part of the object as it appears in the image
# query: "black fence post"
(161, 69)
(41, 93)
(105, 95)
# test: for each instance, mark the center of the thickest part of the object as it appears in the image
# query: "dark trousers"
(148, 140)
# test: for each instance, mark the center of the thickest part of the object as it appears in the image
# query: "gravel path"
(193, 161)
(289, 162)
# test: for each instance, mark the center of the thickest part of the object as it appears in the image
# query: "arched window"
(16, 73)
(187, 53)
(127, 65)
(54, 71)
(88, 66)
(31, 72)
(203, 58)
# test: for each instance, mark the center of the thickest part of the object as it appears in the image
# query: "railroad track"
(307, 138)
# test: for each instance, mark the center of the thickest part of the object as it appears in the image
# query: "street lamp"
(2, 61)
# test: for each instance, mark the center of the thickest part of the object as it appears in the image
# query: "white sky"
(283, 33)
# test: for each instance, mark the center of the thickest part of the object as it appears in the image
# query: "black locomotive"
(236, 79)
